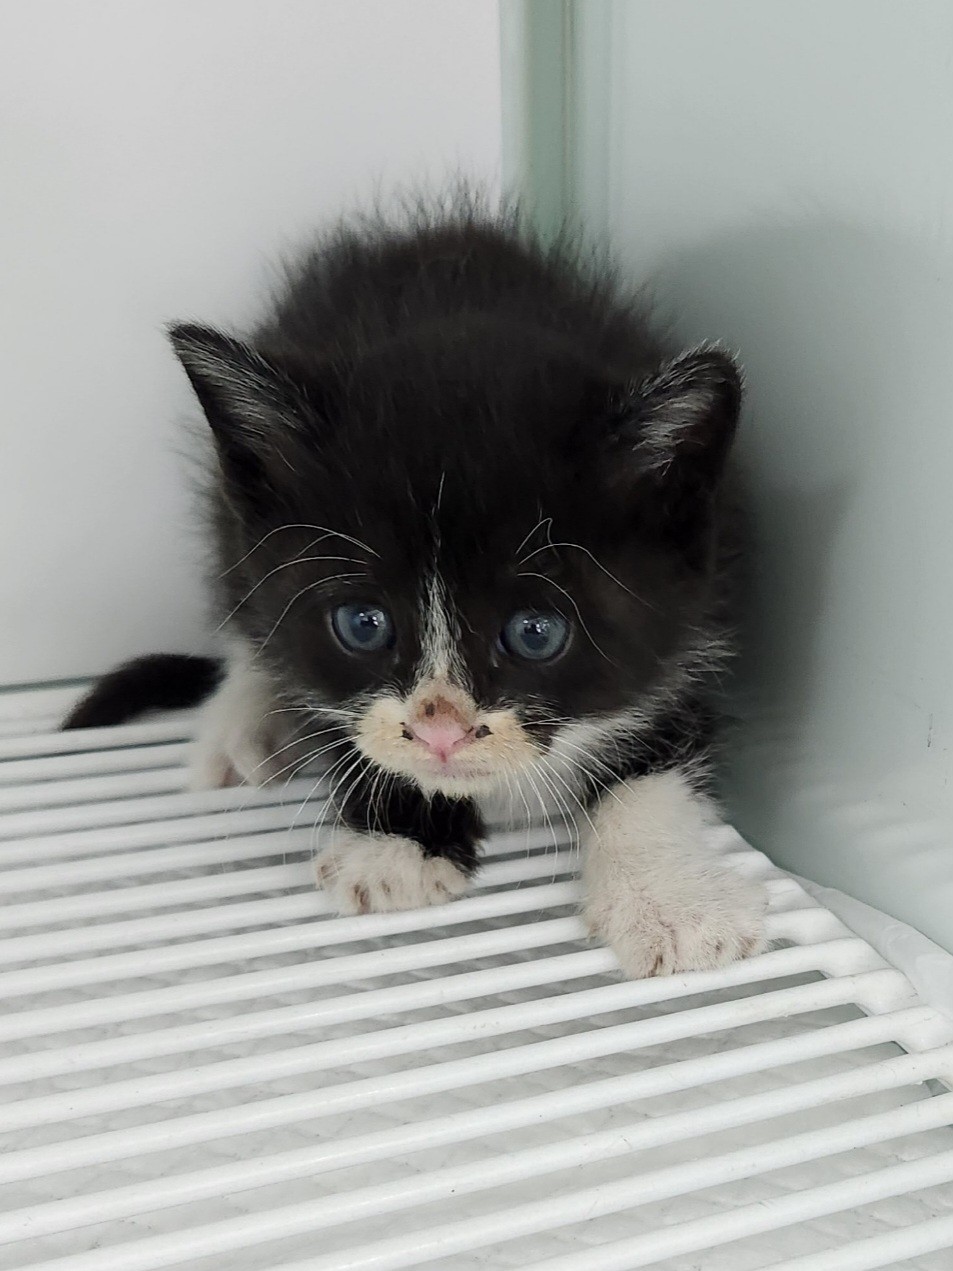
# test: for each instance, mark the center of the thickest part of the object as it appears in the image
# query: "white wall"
(156, 156)
(784, 173)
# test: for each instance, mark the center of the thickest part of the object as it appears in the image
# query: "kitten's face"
(454, 658)
(466, 581)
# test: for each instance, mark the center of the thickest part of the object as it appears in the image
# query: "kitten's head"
(467, 547)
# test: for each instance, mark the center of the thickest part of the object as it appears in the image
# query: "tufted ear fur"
(670, 436)
(254, 408)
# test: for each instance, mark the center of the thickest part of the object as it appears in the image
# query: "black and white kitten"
(472, 540)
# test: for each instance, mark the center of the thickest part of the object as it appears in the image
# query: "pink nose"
(443, 737)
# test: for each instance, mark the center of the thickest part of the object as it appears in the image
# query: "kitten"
(471, 526)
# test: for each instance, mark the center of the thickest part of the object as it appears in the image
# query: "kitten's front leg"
(241, 737)
(654, 894)
(399, 848)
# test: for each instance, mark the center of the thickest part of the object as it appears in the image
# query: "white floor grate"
(201, 1068)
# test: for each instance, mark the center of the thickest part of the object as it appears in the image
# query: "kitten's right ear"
(251, 405)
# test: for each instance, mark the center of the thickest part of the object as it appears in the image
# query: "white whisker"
(296, 560)
(295, 741)
(297, 596)
(543, 809)
(325, 776)
(598, 563)
(302, 525)
(375, 800)
(307, 548)
(601, 785)
(564, 813)
(554, 772)
(338, 806)
(546, 520)
(298, 764)
(348, 712)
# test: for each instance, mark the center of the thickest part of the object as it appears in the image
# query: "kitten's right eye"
(363, 628)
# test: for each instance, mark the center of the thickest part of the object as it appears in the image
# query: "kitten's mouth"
(444, 767)
(441, 739)
(452, 768)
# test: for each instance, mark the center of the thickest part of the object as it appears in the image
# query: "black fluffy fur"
(159, 681)
(449, 392)
(451, 828)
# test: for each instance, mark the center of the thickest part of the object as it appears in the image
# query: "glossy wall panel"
(783, 173)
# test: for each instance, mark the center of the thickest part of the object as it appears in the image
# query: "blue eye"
(535, 636)
(363, 628)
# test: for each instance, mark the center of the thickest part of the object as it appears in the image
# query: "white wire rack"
(202, 1067)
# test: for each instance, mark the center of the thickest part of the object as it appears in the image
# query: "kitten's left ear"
(669, 437)
(680, 422)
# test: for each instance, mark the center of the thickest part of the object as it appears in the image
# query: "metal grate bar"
(195, 853)
(706, 1233)
(883, 1250)
(444, 1240)
(422, 1080)
(125, 736)
(370, 1004)
(92, 763)
(79, 790)
(121, 838)
(161, 860)
(131, 806)
(535, 934)
(201, 1066)
(50, 1109)
(536, 899)
(494, 1172)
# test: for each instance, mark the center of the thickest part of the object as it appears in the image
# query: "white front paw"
(693, 923)
(655, 894)
(365, 873)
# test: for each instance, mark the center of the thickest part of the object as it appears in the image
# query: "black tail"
(159, 681)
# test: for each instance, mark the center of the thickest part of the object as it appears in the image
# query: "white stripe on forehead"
(439, 635)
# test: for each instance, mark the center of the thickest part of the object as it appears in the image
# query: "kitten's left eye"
(363, 628)
(538, 637)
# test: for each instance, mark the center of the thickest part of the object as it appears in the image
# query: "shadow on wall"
(846, 334)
